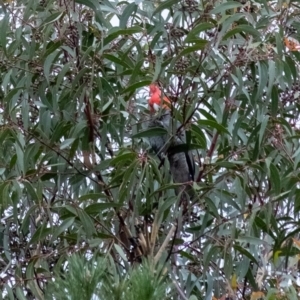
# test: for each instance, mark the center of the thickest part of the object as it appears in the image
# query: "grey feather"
(182, 166)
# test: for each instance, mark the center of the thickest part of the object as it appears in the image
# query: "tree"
(77, 173)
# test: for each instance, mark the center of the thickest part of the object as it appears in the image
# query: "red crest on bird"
(157, 100)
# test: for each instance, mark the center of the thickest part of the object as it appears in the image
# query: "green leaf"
(164, 5)
(4, 31)
(30, 277)
(129, 182)
(66, 143)
(243, 251)
(213, 251)
(125, 157)
(263, 78)
(117, 32)
(155, 170)
(101, 207)
(20, 155)
(12, 95)
(48, 64)
(41, 233)
(108, 89)
(129, 11)
(120, 252)
(116, 60)
(263, 128)
(20, 294)
(272, 75)
(213, 124)
(154, 131)
(93, 196)
(274, 101)
(199, 135)
(31, 191)
(275, 179)
(66, 224)
(158, 68)
(9, 292)
(242, 29)
(93, 4)
(251, 240)
(199, 45)
(225, 6)
(51, 47)
(136, 71)
(135, 86)
(52, 18)
(86, 222)
(197, 29)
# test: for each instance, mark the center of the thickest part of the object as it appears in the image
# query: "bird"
(172, 145)
(156, 99)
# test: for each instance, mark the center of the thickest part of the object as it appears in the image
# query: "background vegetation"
(77, 174)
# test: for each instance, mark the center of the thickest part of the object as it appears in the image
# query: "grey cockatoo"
(173, 144)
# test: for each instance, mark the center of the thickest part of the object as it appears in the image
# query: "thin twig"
(180, 291)
(164, 244)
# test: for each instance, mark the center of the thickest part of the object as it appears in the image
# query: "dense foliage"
(77, 172)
